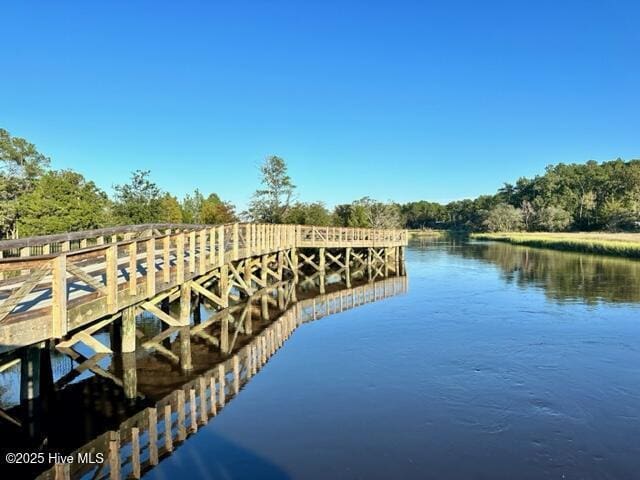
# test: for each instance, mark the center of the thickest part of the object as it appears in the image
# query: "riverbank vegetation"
(617, 244)
(36, 200)
(564, 276)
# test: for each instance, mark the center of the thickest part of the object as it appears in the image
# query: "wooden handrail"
(62, 240)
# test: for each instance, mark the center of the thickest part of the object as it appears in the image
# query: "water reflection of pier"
(155, 405)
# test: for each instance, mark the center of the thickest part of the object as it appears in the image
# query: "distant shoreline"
(625, 245)
(426, 233)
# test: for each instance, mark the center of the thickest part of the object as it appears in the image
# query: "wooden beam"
(25, 289)
(85, 277)
(210, 295)
(166, 318)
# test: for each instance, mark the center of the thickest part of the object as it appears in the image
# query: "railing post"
(236, 241)
(253, 238)
(133, 268)
(192, 251)
(114, 455)
(202, 264)
(59, 296)
(151, 267)
(152, 429)
(265, 237)
(247, 240)
(135, 452)
(112, 278)
(220, 246)
(180, 257)
(182, 432)
(212, 245)
(269, 236)
(166, 257)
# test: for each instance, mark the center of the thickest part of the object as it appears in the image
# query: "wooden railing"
(142, 440)
(72, 279)
(66, 242)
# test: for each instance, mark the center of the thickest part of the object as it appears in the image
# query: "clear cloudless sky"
(398, 100)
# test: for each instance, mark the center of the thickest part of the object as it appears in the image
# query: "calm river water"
(500, 363)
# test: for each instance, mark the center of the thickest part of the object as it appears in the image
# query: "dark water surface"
(502, 362)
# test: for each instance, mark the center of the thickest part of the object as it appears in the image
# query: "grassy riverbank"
(618, 244)
(418, 233)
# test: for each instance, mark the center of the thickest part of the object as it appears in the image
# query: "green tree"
(192, 207)
(552, 219)
(424, 214)
(215, 211)
(139, 201)
(62, 201)
(271, 203)
(358, 217)
(379, 214)
(341, 215)
(528, 214)
(616, 215)
(20, 167)
(170, 211)
(368, 213)
(504, 218)
(314, 213)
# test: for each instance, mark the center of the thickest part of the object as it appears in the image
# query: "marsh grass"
(428, 232)
(617, 244)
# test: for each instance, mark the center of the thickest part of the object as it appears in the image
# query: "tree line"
(37, 200)
(579, 197)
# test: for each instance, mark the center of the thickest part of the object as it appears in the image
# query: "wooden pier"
(58, 291)
(57, 285)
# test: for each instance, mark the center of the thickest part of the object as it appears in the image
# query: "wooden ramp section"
(143, 440)
(55, 285)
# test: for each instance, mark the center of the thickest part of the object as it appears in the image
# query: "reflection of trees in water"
(565, 276)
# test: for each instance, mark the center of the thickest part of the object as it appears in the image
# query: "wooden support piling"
(185, 349)
(128, 330)
(129, 375)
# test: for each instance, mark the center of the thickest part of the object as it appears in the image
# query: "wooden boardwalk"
(53, 286)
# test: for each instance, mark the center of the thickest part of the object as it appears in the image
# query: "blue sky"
(396, 100)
